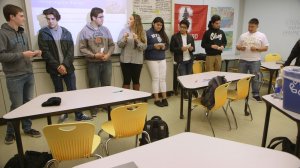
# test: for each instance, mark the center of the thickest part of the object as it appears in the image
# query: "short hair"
(254, 21)
(11, 10)
(95, 12)
(215, 18)
(185, 22)
(52, 11)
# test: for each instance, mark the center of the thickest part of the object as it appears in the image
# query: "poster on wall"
(195, 14)
(149, 9)
(229, 37)
(227, 15)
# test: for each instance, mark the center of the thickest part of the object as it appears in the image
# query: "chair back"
(273, 57)
(220, 96)
(70, 141)
(129, 120)
(243, 86)
(197, 67)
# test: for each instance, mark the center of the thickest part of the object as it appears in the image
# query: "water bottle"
(278, 88)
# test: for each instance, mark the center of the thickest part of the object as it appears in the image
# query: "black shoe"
(195, 94)
(258, 99)
(33, 133)
(9, 139)
(83, 117)
(164, 102)
(185, 96)
(158, 103)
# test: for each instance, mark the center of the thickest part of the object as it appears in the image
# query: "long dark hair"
(213, 19)
(162, 31)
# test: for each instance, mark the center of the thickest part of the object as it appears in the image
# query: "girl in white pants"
(157, 44)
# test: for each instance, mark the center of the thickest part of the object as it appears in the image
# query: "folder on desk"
(127, 165)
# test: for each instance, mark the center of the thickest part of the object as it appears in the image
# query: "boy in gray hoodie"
(97, 45)
(15, 58)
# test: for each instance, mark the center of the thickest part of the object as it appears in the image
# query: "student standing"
(97, 45)
(214, 42)
(295, 54)
(183, 45)
(58, 52)
(250, 45)
(15, 57)
(132, 41)
(157, 44)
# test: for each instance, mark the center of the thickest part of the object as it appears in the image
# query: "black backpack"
(33, 159)
(287, 145)
(208, 94)
(156, 128)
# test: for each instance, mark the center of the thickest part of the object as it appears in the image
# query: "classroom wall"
(279, 20)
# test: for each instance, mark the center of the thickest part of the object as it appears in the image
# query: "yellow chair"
(126, 121)
(71, 141)
(241, 92)
(198, 67)
(273, 57)
(220, 99)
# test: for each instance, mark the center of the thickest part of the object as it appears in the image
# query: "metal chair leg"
(136, 140)
(106, 146)
(225, 111)
(247, 104)
(206, 114)
(232, 114)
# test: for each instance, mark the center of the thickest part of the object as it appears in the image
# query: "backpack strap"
(276, 141)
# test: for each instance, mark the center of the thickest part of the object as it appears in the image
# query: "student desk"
(278, 104)
(193, 151)
(199, 81)
(70, 101)
(272, 67)
(228, 58)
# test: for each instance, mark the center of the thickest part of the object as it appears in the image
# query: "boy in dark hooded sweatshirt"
(214, 42)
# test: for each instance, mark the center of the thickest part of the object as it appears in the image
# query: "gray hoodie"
(92, 40)
(12, 44)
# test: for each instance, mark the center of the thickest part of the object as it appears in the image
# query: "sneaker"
(164, 102)
(9, 139)
(33, 133)
(62, 118)
(195, 94)
(94, 112)
(258, 99)
(158, 103)
(83, 117)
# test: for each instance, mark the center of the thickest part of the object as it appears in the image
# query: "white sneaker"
(62, 118)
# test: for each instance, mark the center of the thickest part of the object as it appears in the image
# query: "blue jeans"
(99, 73)
(254, 68)
(70, 81)
(185, 68)
(20, 89)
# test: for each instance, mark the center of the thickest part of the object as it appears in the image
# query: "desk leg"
(226, 65)
(188, 124)
(298, 141)
(49, 120)
(246, 101)
(266, 127)
(181, 104)
(108, 113)
(270, 82)
(16, 125)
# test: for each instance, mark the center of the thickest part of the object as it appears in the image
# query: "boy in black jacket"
(295, 53)
(214, 42)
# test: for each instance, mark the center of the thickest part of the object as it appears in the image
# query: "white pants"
(158, 72)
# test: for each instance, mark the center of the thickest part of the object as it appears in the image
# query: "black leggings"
(131, 72)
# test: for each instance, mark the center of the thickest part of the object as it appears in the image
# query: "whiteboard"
(75, 14)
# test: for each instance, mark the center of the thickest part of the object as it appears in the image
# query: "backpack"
(157, 130)
(287, 145)
(33, 159)
(208, 94)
